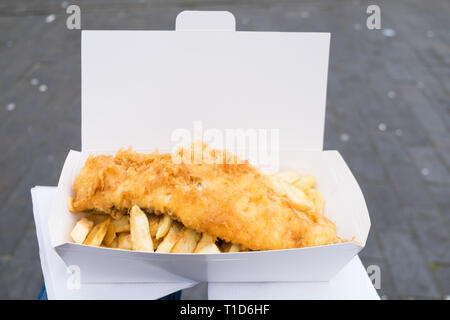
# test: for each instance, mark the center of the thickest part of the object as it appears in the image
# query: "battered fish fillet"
(233, 202)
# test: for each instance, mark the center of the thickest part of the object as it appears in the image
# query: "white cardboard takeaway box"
(140, 86)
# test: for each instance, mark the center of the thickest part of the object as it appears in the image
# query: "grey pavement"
(388, 112)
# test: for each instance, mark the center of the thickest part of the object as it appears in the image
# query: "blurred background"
(388, 113)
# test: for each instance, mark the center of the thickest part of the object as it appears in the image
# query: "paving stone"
(412, 131)
(442, 143)
(68, 139)
(429, 164)
(375, 111)
(389, 147)
(402, 69)
(364, 163)
(442, 196)
(434, 89)
(442, 275)
(371, 249)
(4, 261)
(353, 126)
(425, 113)
(433, 233)
(24, 276)
(409, 187)
(383, 206)
(410, 273)
(332, 136)
(16, 213)
(441, 49)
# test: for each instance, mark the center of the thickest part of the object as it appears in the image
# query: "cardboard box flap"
(205, 20)
(356, 213)
(138, 87)
(61, 221)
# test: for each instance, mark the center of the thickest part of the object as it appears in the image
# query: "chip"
(296, 195)
(81, 230)
(164, 225)
(110, 235)
(173, 235)
(153, 223)
(306, 182)
(140, 232)
(289, 176)
(122, 224)
(124, 241)
(206, 245)
(187, 242)
(95, 237)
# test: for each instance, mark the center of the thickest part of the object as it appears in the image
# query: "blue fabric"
(173, 296)
(42, 293)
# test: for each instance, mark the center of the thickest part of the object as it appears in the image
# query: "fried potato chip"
(163, 227)
(317, 198)
(110, 235)
(117, 214)
(187, 242)
(234, 248)
(122, 224)
(140, 232)
(171, 238)
(95, 237)
(153, 222)
(306, 182)
(229, 247)
(97, 217)
(81, 230)
(70, 204)
(297, 196)
(157, 242)
(289, 176)
(206, 245)
(124, 241)
(115, 243)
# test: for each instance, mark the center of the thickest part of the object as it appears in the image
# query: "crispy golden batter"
(233, 202)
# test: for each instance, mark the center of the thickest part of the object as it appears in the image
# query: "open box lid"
(140, 86)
